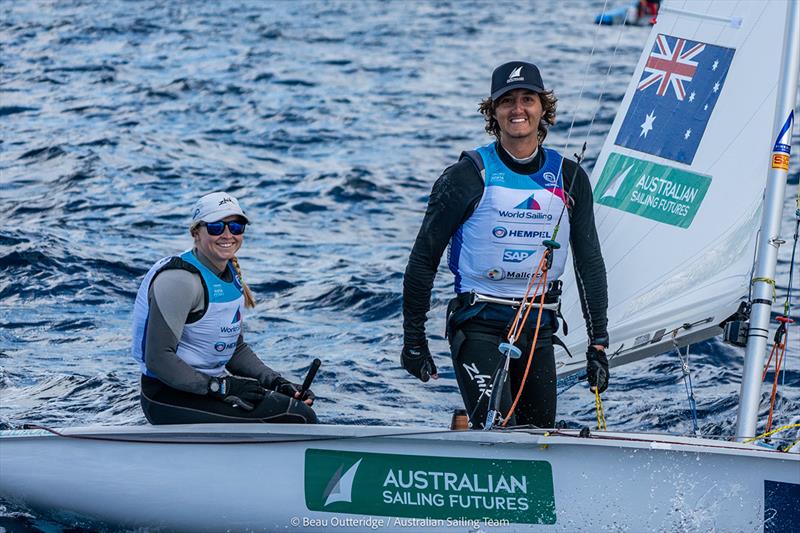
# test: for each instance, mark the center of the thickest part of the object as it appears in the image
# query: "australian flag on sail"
(680, 85)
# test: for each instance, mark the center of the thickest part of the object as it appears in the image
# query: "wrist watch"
(216, 386)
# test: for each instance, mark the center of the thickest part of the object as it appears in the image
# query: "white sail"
(679, 182)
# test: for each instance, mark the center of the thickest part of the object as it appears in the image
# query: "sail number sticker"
(658, 192)
(780, 161)
(783, 144)
(443, 488)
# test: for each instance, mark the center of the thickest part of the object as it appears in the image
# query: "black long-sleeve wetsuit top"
(453, 199)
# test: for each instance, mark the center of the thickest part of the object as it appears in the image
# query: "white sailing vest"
(497, 249)
(207, 344)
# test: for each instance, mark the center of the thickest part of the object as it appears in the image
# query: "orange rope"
(778, 363)
(769, 360)
(516, 328)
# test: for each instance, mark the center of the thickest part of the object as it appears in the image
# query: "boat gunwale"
(287, 434)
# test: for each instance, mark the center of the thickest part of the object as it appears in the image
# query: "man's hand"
(597, 368)
(287, 388)
(239, 392)
(417, 360)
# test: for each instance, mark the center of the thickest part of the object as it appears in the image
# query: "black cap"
(516, 75)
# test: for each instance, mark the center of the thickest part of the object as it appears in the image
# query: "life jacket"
(495, 251)
(209, 337)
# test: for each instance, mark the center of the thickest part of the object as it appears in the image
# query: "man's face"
(518, 113)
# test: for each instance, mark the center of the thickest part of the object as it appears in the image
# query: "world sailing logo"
(340, 487)
(529, 203)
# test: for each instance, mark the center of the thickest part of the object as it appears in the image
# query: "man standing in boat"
(497, 207)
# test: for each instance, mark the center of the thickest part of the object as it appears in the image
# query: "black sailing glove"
(417, 360)
(287, 388)
(239, 392)
(597, 369)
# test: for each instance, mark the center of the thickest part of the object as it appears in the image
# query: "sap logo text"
(516, 256)
(226, 200)
(520, 233)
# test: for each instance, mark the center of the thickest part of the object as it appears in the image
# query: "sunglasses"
(218, 228)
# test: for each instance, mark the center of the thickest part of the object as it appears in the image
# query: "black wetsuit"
(474, 334)
(179, 394)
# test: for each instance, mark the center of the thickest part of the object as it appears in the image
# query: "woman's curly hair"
(548, 99)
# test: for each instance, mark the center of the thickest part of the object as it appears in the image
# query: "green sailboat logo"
(340, 488)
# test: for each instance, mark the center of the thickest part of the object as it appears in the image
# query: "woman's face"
(219, 249)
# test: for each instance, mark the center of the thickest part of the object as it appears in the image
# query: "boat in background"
(635, 13)
(678, 245)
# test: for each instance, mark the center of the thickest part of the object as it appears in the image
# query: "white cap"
(216, 206)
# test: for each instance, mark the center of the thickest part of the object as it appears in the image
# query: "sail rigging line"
(586, 75)
(778, 351)
(487, 392)
(605, 80)
(599, 97)
(787, 304)
(768, 281)
(539, 276)
(773, 432)
(753, 268)
(633, 436)
(598, 407)
(580, 94)
(687, 381)
(567, 198)
(544, 263)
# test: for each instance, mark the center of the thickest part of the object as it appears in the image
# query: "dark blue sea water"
(329, 121)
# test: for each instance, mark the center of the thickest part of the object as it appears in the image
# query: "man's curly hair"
(548, 99)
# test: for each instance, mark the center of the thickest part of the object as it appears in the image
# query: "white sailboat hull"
(282, 478)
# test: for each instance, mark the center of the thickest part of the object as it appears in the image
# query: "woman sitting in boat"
(187, 333)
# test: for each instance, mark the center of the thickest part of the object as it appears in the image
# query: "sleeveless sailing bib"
(497, 249)
(208, 343)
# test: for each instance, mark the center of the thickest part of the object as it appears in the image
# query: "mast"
(764, 273)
